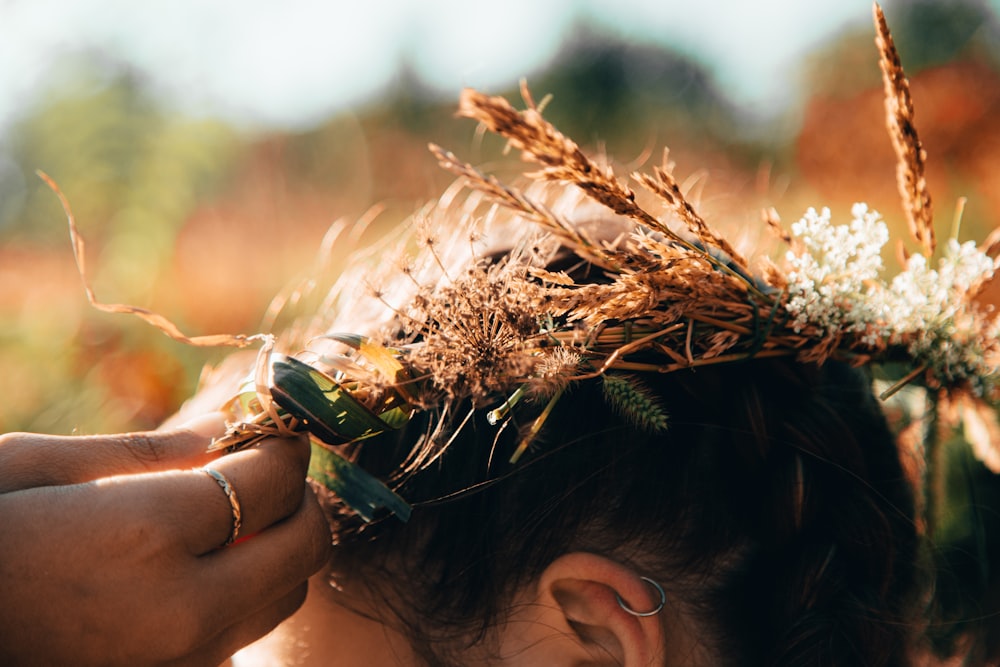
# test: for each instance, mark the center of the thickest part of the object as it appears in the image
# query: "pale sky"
(289, 64)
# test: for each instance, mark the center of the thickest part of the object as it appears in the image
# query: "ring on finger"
(234, 503)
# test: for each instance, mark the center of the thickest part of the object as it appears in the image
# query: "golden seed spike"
(910, 153)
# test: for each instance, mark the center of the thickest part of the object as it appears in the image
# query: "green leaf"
(359, 490)
(327, 410)
(334, 417)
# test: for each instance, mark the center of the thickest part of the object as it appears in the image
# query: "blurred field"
(205, 224)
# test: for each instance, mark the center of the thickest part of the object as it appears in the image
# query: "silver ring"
(653, 612)
(234, 503)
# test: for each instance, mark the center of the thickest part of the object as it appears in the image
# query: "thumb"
(30, 460)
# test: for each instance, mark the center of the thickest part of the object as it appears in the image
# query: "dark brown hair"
(775, 502)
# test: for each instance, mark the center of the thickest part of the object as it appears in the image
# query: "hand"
(110, 546)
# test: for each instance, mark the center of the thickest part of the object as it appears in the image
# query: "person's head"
(773, 511)
(619, 444)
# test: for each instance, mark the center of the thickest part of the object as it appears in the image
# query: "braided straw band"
(234, 503)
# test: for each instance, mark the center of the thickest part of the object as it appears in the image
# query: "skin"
(569, 617)
(111, 553)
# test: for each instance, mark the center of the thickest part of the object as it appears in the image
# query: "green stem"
(933, 482)
(536, 427)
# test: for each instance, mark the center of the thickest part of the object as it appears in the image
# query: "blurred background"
(207, 145)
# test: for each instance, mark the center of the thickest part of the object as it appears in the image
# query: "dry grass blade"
(665, 186)
(772, 222)
(516, 200)
(155, 319)
(910, 154)
(560, 156)
(563, 161)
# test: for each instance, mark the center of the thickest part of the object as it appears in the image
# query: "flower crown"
(674, 295)
(672, 299)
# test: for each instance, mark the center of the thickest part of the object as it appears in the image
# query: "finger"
(246, 575)
(265, 482)
(31, 460)
(249, 629)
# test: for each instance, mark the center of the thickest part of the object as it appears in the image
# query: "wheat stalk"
(910, 153)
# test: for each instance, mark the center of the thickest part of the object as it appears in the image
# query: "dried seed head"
(910, 153)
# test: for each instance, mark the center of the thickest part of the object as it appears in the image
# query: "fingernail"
(208, 426)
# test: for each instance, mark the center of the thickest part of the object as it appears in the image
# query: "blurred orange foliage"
(844, 152)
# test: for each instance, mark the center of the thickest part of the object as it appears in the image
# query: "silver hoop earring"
(653, 612)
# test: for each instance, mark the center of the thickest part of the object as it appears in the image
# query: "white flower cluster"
(834, 284)
(933, 306)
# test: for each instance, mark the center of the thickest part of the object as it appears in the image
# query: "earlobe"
(585, 590)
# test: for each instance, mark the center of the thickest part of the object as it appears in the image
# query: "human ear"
(577, 618)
